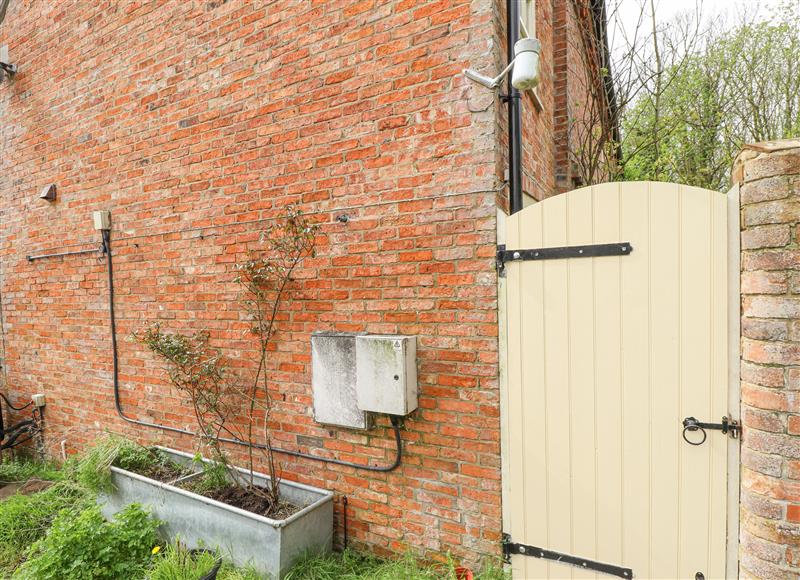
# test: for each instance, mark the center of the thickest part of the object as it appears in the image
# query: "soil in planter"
(246, 499)
(162, 469)
(165, 473)
(243, 498)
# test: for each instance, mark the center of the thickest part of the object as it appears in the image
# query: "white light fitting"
(525, 64)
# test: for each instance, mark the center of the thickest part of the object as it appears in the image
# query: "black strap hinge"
(510, 548)
(561, 253)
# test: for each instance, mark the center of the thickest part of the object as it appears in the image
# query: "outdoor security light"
(525, 64)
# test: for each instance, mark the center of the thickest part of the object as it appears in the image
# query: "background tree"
(739, 84)
(688, 92)
(640, 66)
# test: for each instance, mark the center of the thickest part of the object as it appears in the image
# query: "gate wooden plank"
(533, 404)
(581, 359)
(518, 492)
(635, 217)
(664, 374)
(556, 360)
(719, 392)
(608, 420)
(695, 376)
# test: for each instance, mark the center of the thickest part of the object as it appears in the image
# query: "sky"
(630, 10)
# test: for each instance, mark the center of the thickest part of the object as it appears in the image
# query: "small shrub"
(223, 406)
(87, 546)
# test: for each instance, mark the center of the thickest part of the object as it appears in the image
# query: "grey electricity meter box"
(386, 373)
(333, 380)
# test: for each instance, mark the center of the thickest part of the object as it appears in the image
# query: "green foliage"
(60, 533)
(93, 468)
(176, 562)
(199, 372)
(741, 84)
(193, 366)
(24, 519)
(23, 470)
(86, 546)
(351, 565)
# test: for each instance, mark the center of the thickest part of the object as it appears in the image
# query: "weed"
(87, 546)
(215, 476)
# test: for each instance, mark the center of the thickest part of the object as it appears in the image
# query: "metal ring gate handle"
(690, 424)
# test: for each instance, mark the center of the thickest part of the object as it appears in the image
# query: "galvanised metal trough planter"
(271, 546)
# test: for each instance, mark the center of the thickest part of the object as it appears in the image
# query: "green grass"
(24, 519)
(176, 562)
(351, 565)
(92, 469)
(22, 470)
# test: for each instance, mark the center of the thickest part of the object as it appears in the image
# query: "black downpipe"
(514, 116)
(118, 404)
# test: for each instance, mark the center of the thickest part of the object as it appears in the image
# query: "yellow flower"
(156, 550)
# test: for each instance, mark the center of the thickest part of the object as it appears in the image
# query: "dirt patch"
(161, 468)
(165, 473)
(247, 499)
(23, 487)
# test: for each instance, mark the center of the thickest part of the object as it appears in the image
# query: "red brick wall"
(197, 122)
(576, 105)
(770, 481)
(562, 23)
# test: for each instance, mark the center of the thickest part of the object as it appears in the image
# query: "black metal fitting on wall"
(344, 520)
(23, 431)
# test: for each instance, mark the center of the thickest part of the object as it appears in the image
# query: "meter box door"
(386, 368)
(333, 380)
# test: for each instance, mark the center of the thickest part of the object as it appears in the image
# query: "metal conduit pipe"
(63, 254)
(106, 248)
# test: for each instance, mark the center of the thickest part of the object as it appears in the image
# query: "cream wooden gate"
(605, 356)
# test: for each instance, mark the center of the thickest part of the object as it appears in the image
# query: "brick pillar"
(769, 175)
